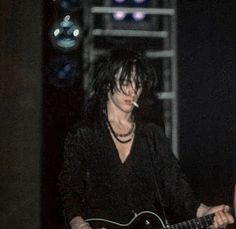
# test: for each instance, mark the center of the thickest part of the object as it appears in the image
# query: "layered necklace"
(119, 136)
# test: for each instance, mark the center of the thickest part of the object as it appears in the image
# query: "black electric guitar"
(150, 220)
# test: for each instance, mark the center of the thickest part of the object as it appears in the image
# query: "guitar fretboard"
(196, 223)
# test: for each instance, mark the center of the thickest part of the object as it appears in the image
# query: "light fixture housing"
(66, 34)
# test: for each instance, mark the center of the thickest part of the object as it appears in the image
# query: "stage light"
(126, 19)
(70, 5)
(138, 16)
(139, 1)
(119, 1)
(119, 15)
(62, 72)
(66, 34)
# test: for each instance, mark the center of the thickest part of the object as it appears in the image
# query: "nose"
(131, 89)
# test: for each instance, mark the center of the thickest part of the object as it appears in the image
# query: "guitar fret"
(179, 225)
(209, 219)
(175, 226)
(196, 223)
(190, 223)
(205, 221)
(185, 224)
(201, 222)
(182, 225)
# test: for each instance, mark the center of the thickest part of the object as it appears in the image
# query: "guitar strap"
(152, 148)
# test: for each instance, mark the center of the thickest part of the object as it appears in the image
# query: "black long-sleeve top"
(95, 183)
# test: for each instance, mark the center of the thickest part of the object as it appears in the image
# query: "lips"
(128, 102)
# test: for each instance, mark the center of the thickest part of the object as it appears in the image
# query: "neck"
(116, 115)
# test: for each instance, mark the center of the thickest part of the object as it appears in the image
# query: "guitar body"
(150, 220)
(143, 220)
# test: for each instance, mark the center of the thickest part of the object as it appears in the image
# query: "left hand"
(222, 215)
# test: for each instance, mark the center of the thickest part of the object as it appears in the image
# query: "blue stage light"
(63, 72)
(70, 5)
(66, 34)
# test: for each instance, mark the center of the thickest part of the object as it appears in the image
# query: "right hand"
(79, 223)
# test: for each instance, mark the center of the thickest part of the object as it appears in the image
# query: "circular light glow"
(56, 32)
(139, 16)
(67, 18)
(76, 32)
(65, 34)
(62, 72)
(119, 15)
(70, 5)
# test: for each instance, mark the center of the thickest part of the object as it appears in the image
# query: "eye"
(125, 83)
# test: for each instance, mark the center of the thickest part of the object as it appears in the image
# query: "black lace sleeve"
(175, 192)
(72, 180)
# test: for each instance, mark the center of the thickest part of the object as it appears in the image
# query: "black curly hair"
(129, 66)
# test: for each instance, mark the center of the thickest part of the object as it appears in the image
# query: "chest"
(123, 149)
(112, 162)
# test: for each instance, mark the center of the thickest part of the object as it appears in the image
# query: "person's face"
(122, 97)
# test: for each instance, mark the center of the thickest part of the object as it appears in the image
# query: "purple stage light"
(119, 15)
(138, 16)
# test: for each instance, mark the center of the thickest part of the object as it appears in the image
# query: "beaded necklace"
(116, 135)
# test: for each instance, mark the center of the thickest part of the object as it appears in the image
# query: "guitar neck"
(196, 223)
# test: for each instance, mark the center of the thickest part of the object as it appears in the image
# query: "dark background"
(207, 83)
(35, 116)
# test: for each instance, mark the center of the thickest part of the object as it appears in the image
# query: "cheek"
(115, 96)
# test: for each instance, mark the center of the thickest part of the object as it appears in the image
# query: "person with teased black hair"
(117, 166)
